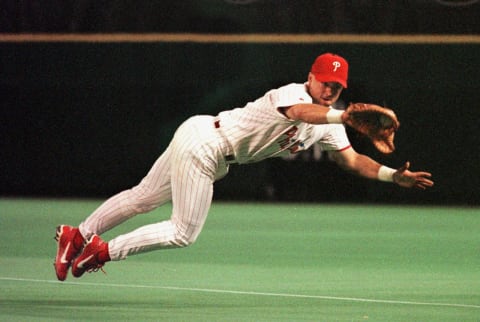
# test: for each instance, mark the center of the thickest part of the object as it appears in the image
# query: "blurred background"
(87, 117)
(242, 16)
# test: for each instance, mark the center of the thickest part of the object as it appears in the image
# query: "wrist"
(334, 116)
(385, 174)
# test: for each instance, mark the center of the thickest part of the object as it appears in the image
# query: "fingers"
(422, 182)
(424, 174)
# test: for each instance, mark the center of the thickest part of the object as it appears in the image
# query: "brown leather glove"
(376, 122)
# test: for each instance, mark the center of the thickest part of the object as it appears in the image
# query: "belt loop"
(226, 147)
(230, 159)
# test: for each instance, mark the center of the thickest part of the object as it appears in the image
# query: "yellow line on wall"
(241, 38)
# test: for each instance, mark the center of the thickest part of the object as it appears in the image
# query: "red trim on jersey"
(347, 147)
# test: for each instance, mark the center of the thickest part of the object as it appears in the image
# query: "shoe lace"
(96, 268)
(57, 234)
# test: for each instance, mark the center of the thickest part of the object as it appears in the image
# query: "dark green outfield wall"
(88, 119)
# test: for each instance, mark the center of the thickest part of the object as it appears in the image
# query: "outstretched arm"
(364, 166)
(311, 113)
(378, 123)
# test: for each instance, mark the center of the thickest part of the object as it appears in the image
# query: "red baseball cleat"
(69, 245)
(92, 258)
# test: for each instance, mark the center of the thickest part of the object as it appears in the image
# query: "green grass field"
(254, 262)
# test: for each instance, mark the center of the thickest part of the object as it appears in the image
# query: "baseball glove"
(376, 122)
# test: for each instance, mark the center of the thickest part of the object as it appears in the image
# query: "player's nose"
(327, 91)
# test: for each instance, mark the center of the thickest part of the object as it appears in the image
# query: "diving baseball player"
(285, 120)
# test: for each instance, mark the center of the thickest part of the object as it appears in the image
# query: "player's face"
(324, 93)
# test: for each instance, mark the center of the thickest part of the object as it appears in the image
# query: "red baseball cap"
(330, 68)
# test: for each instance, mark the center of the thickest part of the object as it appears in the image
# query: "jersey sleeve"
(334, 138)
(290, 95)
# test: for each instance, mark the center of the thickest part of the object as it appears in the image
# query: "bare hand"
(407, 179)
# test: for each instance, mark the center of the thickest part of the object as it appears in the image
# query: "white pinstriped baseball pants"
(184, 174)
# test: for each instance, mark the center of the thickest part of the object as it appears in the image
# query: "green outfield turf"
(254, 262)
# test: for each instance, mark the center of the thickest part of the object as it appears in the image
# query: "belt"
(230, 158)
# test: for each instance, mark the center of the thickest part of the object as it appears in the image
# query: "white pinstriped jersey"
(259, 130)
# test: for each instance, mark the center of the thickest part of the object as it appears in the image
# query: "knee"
(185, 237)
(184, 240)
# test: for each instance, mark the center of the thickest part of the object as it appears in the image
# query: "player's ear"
(310, 77)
